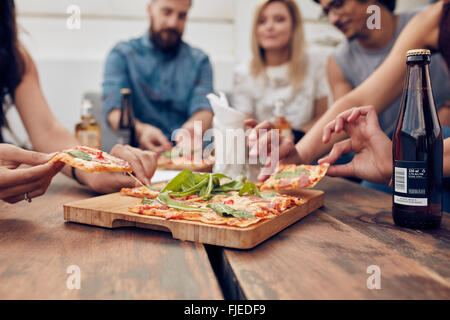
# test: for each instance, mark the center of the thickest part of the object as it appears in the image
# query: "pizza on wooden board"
(231, 209)
(212, 199)
(175, 158)
(291, 176)
(92, 160)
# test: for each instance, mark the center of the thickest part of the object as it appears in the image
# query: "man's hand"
(373, 158)
(16, 181)
(142, 162)
(190, 135)
(260, 139)
(152, 138)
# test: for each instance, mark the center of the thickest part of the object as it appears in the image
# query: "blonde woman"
(281, 69)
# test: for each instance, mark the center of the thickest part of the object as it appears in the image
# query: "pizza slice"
(92, 160)
(175, 159)
(141, 192)
(291, 176)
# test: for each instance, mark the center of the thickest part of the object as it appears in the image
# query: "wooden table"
(327, 254)
(323, 256)
(37, 247)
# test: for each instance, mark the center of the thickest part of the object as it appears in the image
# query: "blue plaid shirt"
(167, 89)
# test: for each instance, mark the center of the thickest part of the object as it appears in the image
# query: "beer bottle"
(87, 131)
(126, 132)
(417, 150)
(280, 122)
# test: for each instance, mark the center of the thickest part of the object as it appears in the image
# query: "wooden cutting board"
(111, 211)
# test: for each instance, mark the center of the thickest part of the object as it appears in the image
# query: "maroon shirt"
(444, 33)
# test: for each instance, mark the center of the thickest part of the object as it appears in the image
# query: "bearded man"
(168, 78)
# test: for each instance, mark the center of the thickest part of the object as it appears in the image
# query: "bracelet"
(74, 176)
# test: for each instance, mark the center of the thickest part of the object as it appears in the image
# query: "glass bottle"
(87, 131)
(126, 133)
(280, 122)
(417, 150)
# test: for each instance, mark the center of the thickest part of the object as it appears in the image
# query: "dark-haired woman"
(19, 85)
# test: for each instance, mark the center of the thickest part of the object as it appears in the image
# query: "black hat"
(389, 4)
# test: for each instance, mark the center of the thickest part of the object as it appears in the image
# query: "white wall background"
(70, 62)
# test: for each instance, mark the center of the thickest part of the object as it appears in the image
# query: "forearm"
(309, 125)
(56, 138)
(311, 147)
(320, 107)
(114, 118)
(204, 116)
(447, 157)
(444, 115)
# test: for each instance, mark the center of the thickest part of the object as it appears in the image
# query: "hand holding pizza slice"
(98, 169)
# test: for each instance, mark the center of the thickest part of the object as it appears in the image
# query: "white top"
(258, 96)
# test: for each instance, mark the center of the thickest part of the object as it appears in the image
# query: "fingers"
(29, 175)
(267, 170)
(107, 182)
(342, 170)
(148, 160)
(162, 140)
(361, 111)
(33, 190)
(259, 136)
(18, 155)
(337, 150)
(328, 131)
(348, 116)
(143, 163)
(128, 154)
(34, 181)
(150, 146)
(153, 139)
(251, 123)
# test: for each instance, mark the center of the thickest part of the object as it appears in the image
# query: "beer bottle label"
(410, 182)
(89, 138)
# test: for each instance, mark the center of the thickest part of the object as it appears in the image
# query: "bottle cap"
(125, 91)
(86, 106)
(418, 52)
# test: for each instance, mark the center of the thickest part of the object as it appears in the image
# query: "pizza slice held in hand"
(291, 176)
(92, 160)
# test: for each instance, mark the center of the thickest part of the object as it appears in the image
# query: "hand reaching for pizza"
(260, 139)
(152, 138)
(373, 158)
(187, 138)
(17, 180)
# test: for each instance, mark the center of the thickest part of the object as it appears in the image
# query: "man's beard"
(168, 40)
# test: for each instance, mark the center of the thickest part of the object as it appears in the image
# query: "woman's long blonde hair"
(297, 65)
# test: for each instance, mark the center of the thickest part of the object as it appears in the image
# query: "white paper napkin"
(164, 175)
(229, 137)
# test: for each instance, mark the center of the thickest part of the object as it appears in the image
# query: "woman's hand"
(262, 139)
(16, 181)
(142, 162)
(373, 158)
